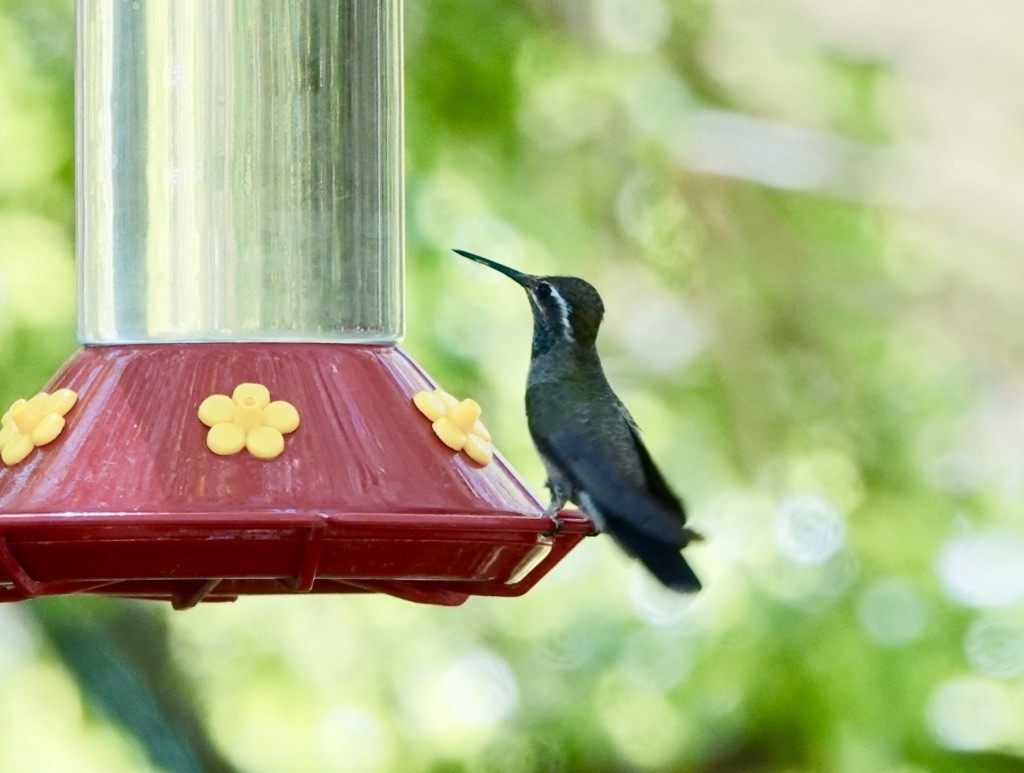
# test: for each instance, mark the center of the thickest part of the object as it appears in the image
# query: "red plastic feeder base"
(129, 501)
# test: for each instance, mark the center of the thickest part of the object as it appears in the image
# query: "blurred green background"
(806, 220)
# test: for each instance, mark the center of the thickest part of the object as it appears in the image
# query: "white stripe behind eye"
(563, 309)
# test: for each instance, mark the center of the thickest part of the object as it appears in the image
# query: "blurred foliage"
(805, 220)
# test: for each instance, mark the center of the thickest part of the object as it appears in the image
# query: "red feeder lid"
(129, 501)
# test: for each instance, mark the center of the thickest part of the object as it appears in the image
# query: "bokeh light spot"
(659, 104)
(632, 25)
(984, 569)
(462, 703)
(563, 111)
(812, 587)
(892, 612)
(480, 689)
(995, 647)
(969, 713)
(570, 650)
(672, 352)
(809, 529)
(655, 661)
(955, 472)
(354, 740)
(646, 729)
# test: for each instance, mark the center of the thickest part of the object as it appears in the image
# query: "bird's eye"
(544, 290)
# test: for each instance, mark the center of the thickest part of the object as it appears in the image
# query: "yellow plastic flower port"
(457, 424)
(33, 423)
(248, 420)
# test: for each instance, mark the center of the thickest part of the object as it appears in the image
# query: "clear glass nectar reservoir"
(240, 170)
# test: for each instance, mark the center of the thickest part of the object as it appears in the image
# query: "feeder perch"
(245, 423)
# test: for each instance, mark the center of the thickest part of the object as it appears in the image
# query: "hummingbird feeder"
(239, 419)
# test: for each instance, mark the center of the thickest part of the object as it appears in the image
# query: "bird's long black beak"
(518, 276)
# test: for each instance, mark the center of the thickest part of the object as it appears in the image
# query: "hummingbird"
(590, 446)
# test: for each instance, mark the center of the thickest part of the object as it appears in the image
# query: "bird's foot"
(559, 523)
(552, 513)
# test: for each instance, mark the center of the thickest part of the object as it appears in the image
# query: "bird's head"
(564, 307)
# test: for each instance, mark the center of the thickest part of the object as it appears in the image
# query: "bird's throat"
(555, 359)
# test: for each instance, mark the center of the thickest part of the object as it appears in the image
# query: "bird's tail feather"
(662, 560)
(691, 536)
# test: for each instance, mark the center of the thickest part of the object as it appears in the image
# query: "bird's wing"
(663, 561)
(592, 471)
(659, 488)
(638, 523)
